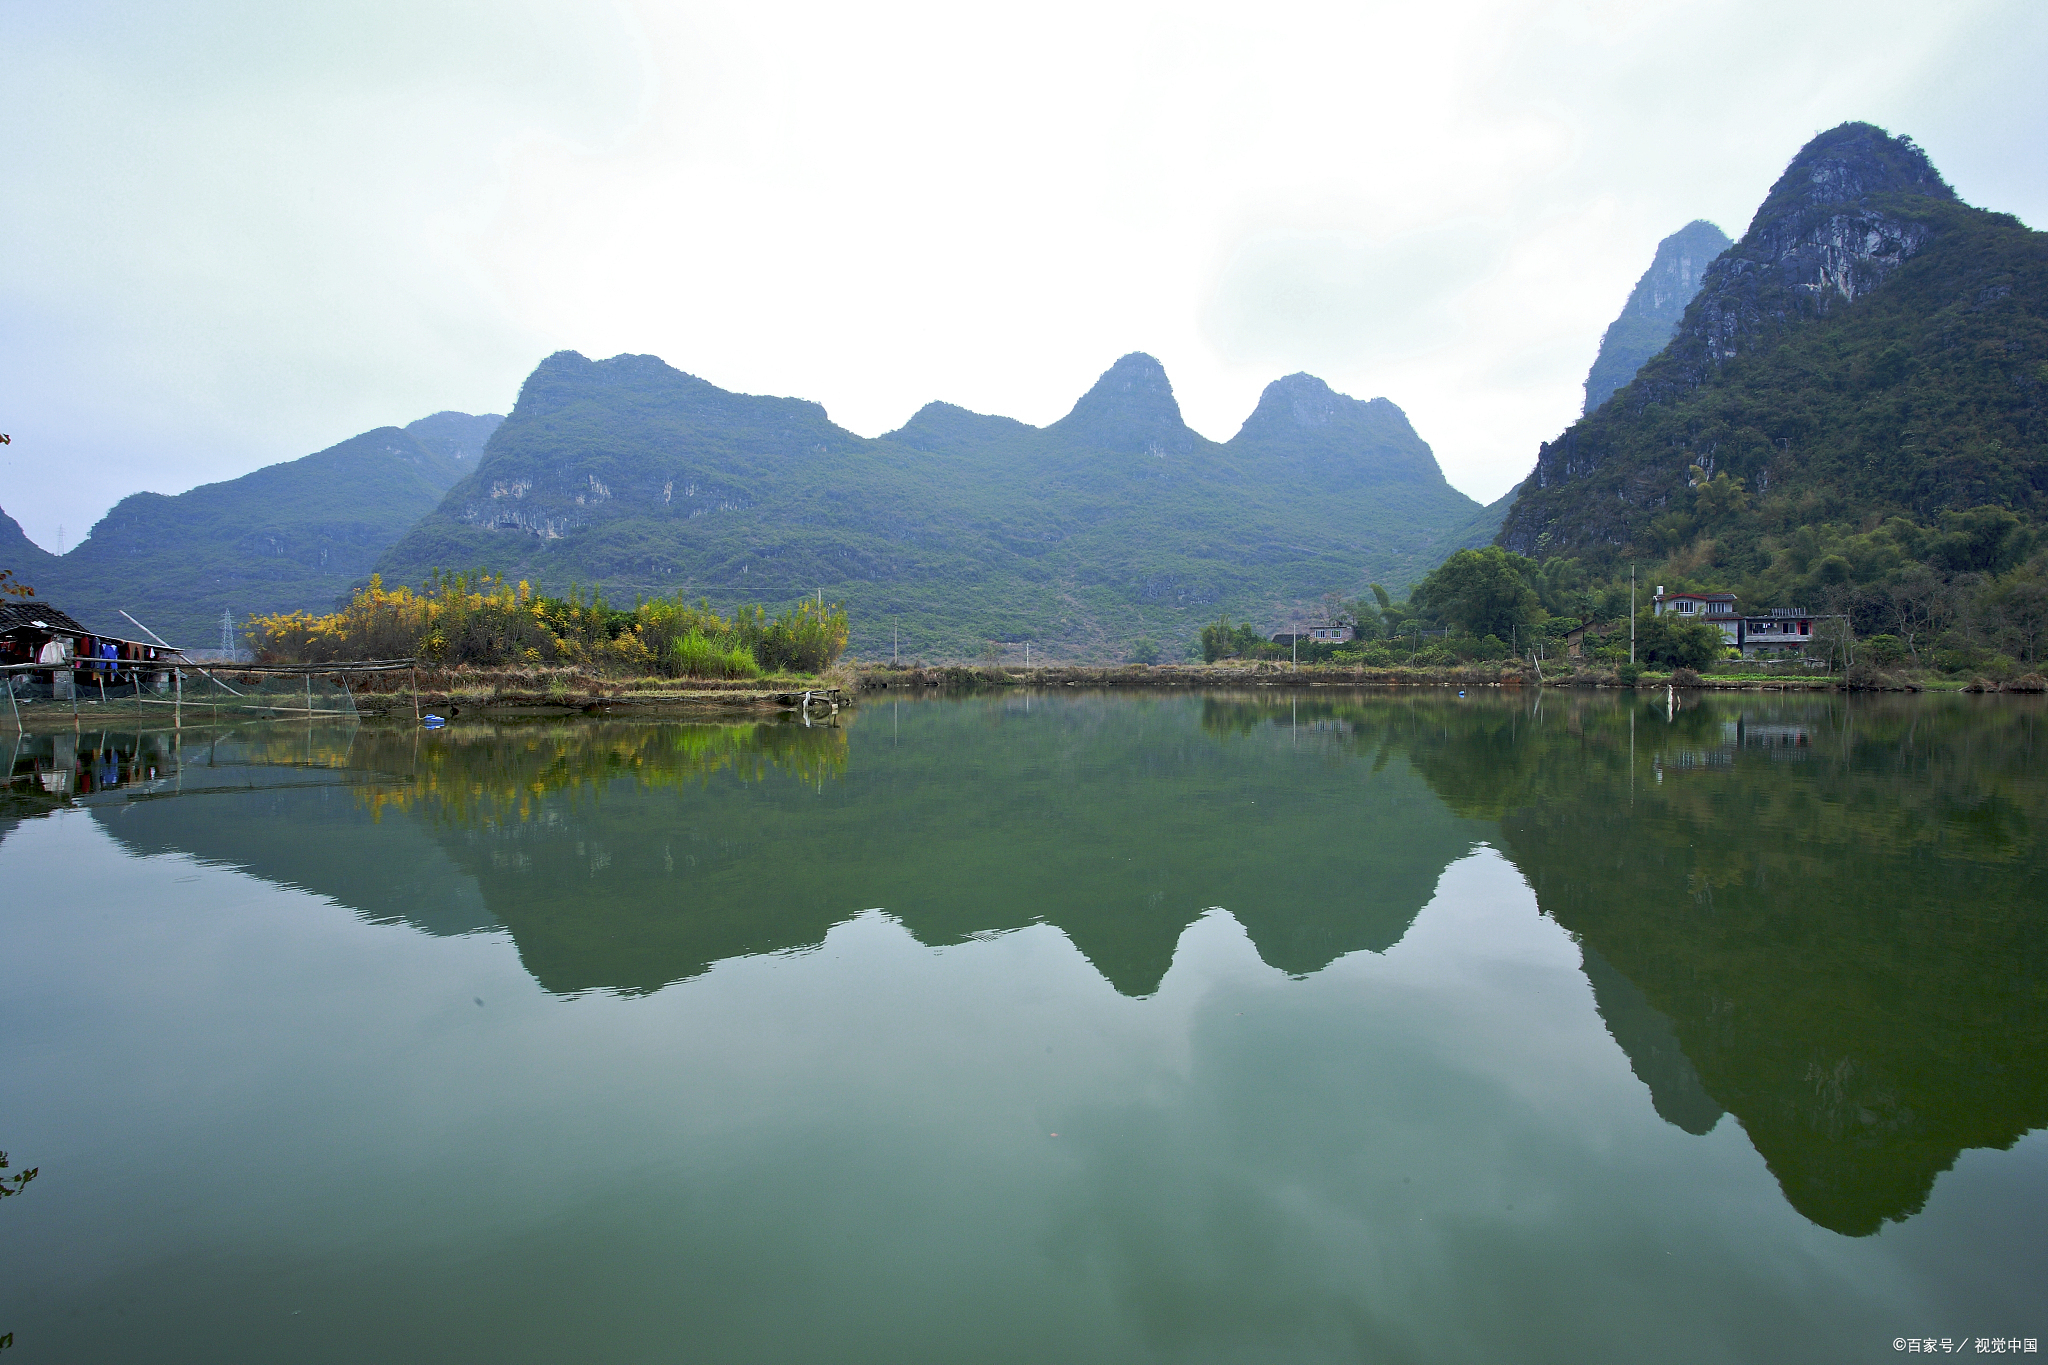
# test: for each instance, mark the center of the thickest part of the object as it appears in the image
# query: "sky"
(238, 233)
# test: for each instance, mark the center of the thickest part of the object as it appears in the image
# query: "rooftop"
(30, 614)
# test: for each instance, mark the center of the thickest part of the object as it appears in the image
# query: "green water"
(1051, 1028)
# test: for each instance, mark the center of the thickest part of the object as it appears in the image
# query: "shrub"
(806, 638)
(698, 656)
(478, 619)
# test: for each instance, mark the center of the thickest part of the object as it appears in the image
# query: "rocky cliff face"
(1836, 225)
(1654, 307)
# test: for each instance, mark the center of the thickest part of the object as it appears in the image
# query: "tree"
(1920, 604)
(1481, 592)
(12, 587)
(1222, 640)
(1718, 500)
(2018, 610)
(1981, 540)
(1678, 643)
(1367, 623)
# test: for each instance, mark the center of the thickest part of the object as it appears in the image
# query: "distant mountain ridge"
(1871, 347)
(1654, 308)
(289, 537)
(1115, 521)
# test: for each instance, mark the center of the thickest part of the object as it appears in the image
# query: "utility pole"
(1631, 613)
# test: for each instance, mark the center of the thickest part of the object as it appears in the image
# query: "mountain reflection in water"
(1819, 915)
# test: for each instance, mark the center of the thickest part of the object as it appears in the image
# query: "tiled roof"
(16, 613)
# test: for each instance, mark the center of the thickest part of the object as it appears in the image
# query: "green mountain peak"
(1114, 522)
(1872, 347)
(1130, 410)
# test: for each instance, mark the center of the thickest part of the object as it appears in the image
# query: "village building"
(1782, 628)
(1580, 638)
(1715, 607)
(1314, 635)
(1752, 633)
(77, 662)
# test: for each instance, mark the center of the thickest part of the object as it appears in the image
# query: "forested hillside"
(292, 536)
(1114, 524)
(1850, 417)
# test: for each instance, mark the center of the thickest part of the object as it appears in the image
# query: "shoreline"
(1235, 676)
(707, 699)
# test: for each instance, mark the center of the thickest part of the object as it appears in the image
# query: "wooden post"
(415, 694)
(178, 700)
(309, 694)
(17, 708)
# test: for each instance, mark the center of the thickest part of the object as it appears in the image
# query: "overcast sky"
(237, 232)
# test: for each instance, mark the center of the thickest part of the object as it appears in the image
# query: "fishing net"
(187, 695)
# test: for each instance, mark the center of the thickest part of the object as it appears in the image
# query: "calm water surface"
(1035, 1029)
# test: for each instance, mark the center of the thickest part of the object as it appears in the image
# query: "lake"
(1047, 1028)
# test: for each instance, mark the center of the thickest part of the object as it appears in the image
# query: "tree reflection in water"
(1818, 914)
